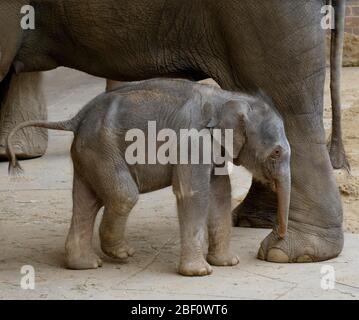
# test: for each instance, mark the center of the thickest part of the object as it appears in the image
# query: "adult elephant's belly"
(119, 40)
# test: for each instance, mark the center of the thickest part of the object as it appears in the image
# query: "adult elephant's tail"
(336, 146)
(14, 166)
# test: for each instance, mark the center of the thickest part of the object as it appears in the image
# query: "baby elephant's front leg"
(220, 223)
(191, 187)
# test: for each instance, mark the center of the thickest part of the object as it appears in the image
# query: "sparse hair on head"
(262, 95)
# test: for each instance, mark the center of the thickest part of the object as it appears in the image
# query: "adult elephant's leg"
(290, 67)
(257, 210)
(23, 101)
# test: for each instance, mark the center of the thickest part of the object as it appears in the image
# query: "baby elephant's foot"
(192, 268)
(119, 251)
(223, 260)
(83, 261)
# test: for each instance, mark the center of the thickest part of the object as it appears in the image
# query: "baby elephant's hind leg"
(79, 252)
(121, 196)
(220, 223)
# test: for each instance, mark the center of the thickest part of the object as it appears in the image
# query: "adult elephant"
(278, 46)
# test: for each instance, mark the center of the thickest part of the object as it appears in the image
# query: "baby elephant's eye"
(276, 154)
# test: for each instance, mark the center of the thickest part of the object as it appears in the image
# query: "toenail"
(277, 255)
(261, 255)
(304, 258)
(123, 255)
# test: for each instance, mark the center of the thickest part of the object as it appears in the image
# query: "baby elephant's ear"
(209, 115)
(236, 109)
(234, 116)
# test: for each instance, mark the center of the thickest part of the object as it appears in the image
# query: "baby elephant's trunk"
(14, 166)
(283, 186)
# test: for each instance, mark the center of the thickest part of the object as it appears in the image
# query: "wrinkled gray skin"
(103, 177)
(25, 99)
(244, 45)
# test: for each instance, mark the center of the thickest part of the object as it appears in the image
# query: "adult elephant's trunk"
(283, 187)
(336, 146)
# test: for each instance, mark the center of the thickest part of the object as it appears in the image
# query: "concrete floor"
(36, 212)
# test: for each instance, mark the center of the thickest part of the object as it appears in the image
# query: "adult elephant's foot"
(315, 220)
(23, 150)
(23, 101)
(303, 243)
(258, 209)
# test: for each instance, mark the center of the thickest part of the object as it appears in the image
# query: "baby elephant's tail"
(14, 166)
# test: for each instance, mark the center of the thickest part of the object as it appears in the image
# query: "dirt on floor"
(348, 182)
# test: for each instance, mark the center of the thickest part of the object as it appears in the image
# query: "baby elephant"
(103, 176)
